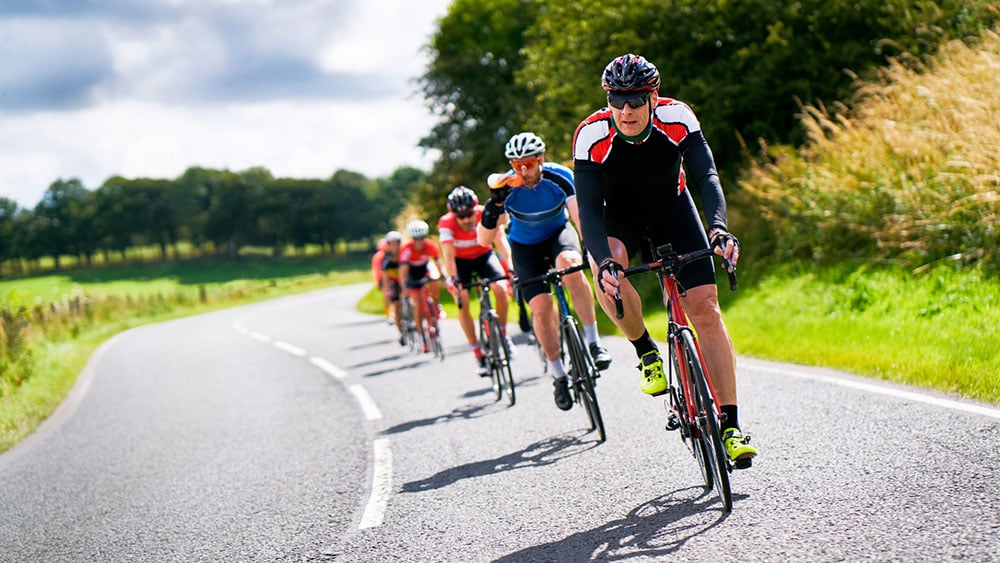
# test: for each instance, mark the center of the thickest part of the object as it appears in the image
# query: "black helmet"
(629, 73)
(461, 199)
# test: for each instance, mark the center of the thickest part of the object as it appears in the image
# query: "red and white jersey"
(465, 243)
(409, 254)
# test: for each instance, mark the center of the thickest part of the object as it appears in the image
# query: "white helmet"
(417, 229)
(524, 145)
(393, 236)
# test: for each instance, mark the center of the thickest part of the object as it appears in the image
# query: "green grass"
(937, 329)
(160, 292)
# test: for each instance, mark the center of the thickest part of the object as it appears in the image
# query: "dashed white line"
(328, 367)
(367, 403)
(293, 350)
(259, 337)
(374, 512)
(899, 394)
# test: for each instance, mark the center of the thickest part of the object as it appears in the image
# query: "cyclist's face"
(467, 222)
(529, 170)
(633, 121)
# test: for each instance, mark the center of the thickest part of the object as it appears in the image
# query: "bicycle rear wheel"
(437, 347)
(500, 364)
(583, 371)
(709, 429)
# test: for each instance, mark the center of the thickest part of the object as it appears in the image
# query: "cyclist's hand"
(607, 277)
(500, 185)
(726, 245)
(452, 284)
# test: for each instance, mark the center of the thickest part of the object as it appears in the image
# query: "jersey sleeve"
(590, 202)
(445, 233)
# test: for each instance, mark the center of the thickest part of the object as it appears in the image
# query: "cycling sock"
(732, 420)
(557, 369)
(590, 334)
(643, 344)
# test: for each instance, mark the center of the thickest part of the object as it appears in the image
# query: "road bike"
(493, 341)
(692, 408)
(583, 373)
(411, 338)
(432, 316)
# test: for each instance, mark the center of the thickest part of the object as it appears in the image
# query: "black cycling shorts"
(487, 267)
(680, 226)
(531, 260)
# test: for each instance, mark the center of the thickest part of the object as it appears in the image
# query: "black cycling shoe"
(602, 359)
(561, 393)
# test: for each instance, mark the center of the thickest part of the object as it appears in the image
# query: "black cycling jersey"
(622, 181)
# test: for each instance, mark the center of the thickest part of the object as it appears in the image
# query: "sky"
(91, 89)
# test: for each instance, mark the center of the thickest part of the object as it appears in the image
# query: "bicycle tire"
(689, 436)
(437, 347)
(710, 432)
(501, 361)
(583, 370)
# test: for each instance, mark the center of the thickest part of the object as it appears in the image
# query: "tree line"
(214, 210)
(747, 68)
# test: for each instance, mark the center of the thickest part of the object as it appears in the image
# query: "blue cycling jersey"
(538, 213)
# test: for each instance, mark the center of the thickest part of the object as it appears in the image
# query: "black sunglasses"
(633, 103)
(465, 214)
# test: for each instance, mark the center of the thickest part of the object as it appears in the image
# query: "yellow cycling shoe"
(654, 382)
(738, 447)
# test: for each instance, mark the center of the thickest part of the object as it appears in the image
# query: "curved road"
(298, 429)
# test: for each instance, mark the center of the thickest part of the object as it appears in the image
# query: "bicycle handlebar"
(671, 262)
(553, 274)
(478, 283)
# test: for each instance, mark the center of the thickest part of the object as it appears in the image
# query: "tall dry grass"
(910, 174)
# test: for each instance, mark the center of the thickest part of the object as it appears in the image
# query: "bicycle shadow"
(371, 344)
(538, 454)
(658, 528)
(468, 412)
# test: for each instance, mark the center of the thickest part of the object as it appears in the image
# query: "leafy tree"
(58, 217)
(9, 212)
(470, 86)
(389, 196)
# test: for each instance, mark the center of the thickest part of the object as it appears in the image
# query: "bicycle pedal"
(672, 423)
(744, 462)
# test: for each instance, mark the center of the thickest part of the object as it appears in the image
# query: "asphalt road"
(298, 429)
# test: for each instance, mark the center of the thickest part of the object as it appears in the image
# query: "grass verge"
(52, 359)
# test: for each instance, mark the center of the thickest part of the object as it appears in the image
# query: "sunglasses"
(633, 103)
(528, 162)
(465, 214)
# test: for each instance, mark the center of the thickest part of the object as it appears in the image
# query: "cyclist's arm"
(699, 164)
(590, 205)
(450, 268)
(574, 213)
(487, 236)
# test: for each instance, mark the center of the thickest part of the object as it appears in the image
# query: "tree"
(59, 216)
(470, 86)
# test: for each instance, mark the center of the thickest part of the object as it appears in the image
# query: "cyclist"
(463, 256)
(627, 158)
(418, 266)
(536, 196)
(389, 269)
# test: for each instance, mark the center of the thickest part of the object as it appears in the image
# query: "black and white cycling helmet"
(629, 73)
(393, 236)
(417, 229)
(524, 145)
(462, 199)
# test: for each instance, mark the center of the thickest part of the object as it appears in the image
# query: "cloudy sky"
(95, 88)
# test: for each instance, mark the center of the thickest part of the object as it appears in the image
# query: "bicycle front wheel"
(709, 430)
(583, 372)
(500, 365)
(433, 312)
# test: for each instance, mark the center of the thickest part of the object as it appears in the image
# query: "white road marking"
(260, 337)
(328, 367)
(381, 486)
(367, 403)
(293, 350)
(899, 394)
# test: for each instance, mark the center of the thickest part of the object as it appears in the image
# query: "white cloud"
(221, 84)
